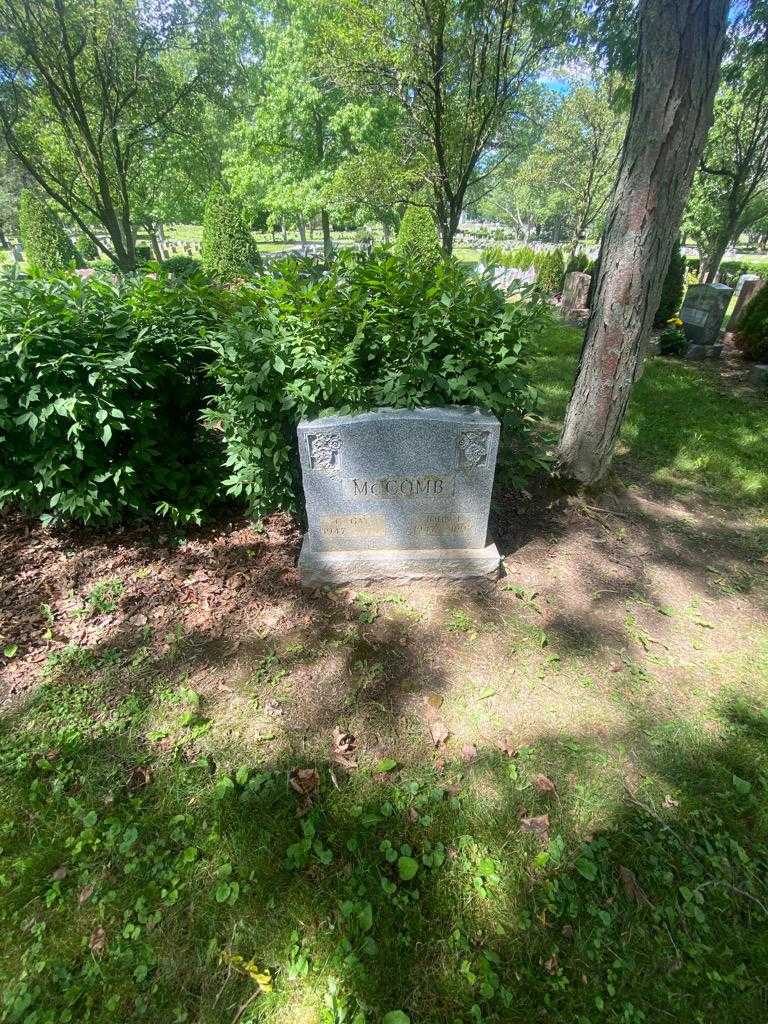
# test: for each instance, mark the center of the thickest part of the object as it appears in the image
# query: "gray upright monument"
(398, 494)
(702, 315)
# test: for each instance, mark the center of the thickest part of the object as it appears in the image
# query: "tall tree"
(90, 89)
(731, 186)
(302, 126)
(679, 53)
(458, 70)
(572, 169)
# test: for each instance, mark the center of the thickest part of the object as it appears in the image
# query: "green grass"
(146, 872)
(685, 431)
(156, 864)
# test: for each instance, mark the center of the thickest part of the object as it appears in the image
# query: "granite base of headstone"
(748, 286)
(398, 494)
(702, 314)
(758, 375)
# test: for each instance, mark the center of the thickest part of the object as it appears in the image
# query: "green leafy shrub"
(672, 341)
(228, 249)
(417, 241)
(551, 272)
(752, 329)
(47, 246)
(101, 389)
(182, 265)
(672, 289)
(369, 332)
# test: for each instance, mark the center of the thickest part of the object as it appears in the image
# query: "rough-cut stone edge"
(336, 568)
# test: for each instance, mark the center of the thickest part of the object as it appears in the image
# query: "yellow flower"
(676, 321)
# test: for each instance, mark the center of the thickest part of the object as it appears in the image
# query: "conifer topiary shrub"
(578, 263)
(47, 246)
(672, 288)
(228, 249)
(522, 258)
(551, 273)
(752, 329)
(417, 240)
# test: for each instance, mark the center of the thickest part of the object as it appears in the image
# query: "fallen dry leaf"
(273, 709)
(98, 941)
(538, 825)
(506, 746)
(669, 802)
(567, 932)
(551, 965)
(85, 894)
(304, 780)
(139, 777)
(343, 748)
(59, 874)
(438, 730)
(542, 784)
(631, 887)
(469, 753)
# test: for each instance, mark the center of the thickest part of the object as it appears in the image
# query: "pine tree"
(552, 272)
(672, 288)
(417, 239)
(47, 246)
(228, 249)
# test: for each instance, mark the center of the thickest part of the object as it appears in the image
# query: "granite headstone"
(703, 311)
(575, 290)
(398, 494)
(748, 286)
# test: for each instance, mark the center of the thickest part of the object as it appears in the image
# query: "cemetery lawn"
(225, 800)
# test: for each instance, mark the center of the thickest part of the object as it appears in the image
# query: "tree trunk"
(4, 243)
(327, 243)
(285, 232)
(711, 265)
(385, 229)
(302, 231)
(680, 48)
(156, 250)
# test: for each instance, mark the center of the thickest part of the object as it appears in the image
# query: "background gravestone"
(575, 290)
(748, 285)
(398, 494)
(702, 315)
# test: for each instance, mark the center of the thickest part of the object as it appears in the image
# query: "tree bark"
(680, 48)
(327, 243)
(710, 265)
(386, 231)
(302, 231)
(4, 243)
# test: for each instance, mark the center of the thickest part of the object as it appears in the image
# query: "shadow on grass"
(136, 872)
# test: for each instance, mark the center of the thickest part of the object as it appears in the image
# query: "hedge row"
(162, 395)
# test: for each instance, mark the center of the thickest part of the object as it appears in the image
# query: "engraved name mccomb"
(400, 487)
